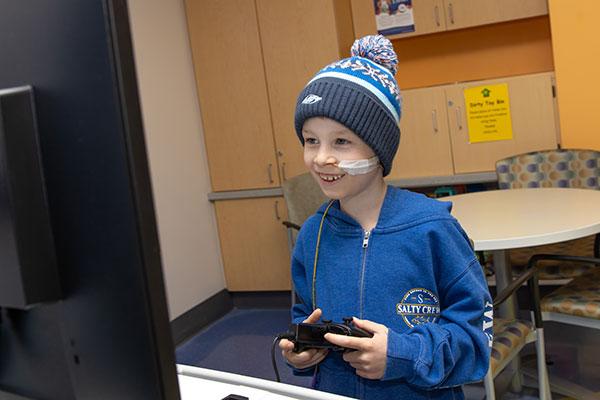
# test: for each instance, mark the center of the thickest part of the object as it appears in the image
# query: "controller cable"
(287, 335)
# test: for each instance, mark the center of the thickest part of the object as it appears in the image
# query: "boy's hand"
(307, 358)
(370, 356)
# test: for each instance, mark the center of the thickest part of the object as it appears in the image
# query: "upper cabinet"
(252, 58)
(230, 76)
(439, 15)
(467, 13)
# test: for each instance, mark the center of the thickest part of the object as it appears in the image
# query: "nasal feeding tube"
(359, 167)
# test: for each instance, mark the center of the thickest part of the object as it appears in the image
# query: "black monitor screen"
(105, 334)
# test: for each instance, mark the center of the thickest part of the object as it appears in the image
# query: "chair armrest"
(289, 224)
(529, 276)
(597, 246)
(562, 257)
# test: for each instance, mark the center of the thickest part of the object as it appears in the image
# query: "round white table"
(513, 218)
(499, 220)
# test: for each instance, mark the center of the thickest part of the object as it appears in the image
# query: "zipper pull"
(366, 239)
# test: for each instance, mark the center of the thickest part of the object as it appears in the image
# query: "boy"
(395, 260)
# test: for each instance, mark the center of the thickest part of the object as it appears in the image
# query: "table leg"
(508, 309)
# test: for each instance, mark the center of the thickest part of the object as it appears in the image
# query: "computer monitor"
(102, 332)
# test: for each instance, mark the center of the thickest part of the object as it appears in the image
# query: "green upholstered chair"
(510, 336)
(567, 168)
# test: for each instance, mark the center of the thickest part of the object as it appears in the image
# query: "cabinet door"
(232, 89)
(424, 142)
(534, 125)
(466, 13)
(428, 15)
(254, 244)
(298, 39)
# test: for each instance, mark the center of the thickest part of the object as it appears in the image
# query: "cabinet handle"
(434, 121)
(277, 210)
(458, 118)
(283, 172)
(270, 172)
(436, 13)
(451, 13)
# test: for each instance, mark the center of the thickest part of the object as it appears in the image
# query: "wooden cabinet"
(251, 60)
(254, 244)
(424, 135)
(435, 137)
(432, 16)
(467, 13)
(298, 39)
(232, 89)
(533, 116)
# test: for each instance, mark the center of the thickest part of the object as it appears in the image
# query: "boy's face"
(326, 143)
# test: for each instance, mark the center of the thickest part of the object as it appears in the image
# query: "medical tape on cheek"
(359, 167)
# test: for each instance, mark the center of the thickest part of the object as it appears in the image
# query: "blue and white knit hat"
(362, 94)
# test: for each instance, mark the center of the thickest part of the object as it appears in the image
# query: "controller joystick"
(312, 336)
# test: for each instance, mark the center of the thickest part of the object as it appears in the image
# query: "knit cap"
(362, 94)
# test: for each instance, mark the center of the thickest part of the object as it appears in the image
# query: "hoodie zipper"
(365, 245)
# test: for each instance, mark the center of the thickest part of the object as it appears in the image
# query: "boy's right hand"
(308, 357)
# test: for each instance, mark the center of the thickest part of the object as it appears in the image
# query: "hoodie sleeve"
(456, 349)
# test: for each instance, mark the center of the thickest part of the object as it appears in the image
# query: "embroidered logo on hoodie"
(418, 306)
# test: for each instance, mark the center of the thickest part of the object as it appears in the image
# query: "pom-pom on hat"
(362, 94)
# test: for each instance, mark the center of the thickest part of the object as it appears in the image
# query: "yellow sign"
(488, 113)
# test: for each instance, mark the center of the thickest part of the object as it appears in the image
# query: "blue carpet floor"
(241, 343)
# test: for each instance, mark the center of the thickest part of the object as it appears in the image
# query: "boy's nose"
(324, 158)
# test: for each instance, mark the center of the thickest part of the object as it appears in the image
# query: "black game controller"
(311, 336)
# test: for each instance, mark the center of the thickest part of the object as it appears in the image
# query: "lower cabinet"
(435, 138)
(254, 244)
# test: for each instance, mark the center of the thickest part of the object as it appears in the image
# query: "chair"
(573, 168)
(510, 336)
(303, 196)
(575, 303)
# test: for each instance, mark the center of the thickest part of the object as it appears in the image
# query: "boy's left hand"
(369, 359)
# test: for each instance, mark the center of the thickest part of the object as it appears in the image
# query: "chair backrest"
(303, 196)
(575, 168)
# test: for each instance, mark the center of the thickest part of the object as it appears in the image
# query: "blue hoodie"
(415, 273)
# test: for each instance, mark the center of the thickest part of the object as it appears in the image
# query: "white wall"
(186, 220)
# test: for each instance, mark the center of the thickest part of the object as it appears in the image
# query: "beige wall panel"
(231, 82)
(254, 244)
(186, 220)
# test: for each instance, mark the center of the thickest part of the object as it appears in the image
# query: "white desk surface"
(207, 384)
(513, 218)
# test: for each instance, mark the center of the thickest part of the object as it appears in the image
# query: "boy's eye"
(310, 140)
(341, 141)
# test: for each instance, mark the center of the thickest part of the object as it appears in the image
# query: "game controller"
(312, 336)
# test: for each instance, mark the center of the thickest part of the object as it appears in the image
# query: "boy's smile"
(326, 143)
